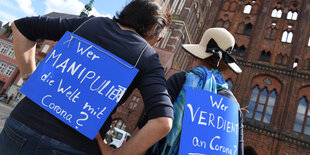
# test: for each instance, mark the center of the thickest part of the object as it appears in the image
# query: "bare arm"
(152, 132)
(24, 50)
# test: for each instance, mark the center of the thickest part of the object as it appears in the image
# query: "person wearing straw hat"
(211, 56)
(130, 36)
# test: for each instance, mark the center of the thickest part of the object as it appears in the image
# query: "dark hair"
(142, 16)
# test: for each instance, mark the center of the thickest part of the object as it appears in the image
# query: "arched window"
(241, 28)
(235, 50)
(247, 9)
(248, 29)
(287, 37)
(295, 15)
(281, 60)
(241, 51)
(180, 7)
(220, 23)
(270, 104)
(252, 102)
(302, 120)
(261, 104)
(309, 42)
(276, 13)
(174, 5)
(292, 15)
(226, 24)
(229, 83)
(271, 32)
(265, 56)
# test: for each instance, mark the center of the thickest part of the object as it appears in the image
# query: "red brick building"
(8, 67)
(273, 49)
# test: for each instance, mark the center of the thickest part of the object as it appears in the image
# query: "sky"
(15, 9)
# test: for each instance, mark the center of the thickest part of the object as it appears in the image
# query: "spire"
(87, 9)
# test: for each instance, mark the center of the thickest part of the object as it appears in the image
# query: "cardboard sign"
(210, 124)
(79, 83)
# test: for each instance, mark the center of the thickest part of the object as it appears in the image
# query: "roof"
(62, 15)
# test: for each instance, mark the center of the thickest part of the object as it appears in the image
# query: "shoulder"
(175, 84)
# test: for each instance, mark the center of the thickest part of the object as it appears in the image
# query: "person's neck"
(126, 28)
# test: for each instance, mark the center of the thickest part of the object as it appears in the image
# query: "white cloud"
(64, 6)
(69, 6)
(25, 6)
(6, 17)
(97, 14)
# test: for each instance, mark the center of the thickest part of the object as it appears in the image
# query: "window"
(180, 7)
(271, 32)
(174, 5)
(3, 49)
(302, 120)
(10, 53)
(45, 48)
(9, 71)
(309, 42)
(166, 39)
(18, 95)
(166, 3)
(226, 24)
(276, 13)
(239, 51)
(292, 15)
(119, 124)
(281, 60)
(287, 37)
(307, 64)
(134, 102)
(261, 104)
(241, 28)
(248, 29)
(2, 67)
(265, 56)
(247, 9)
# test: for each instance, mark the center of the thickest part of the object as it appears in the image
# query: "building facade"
(8, 67)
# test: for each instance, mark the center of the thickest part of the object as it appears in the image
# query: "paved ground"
(5, 111)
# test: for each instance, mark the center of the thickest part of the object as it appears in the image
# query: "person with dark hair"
(211, 56)
(130, 36)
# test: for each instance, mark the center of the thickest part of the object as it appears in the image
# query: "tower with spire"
(87, 9)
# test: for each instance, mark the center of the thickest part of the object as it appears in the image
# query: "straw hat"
(215, 41)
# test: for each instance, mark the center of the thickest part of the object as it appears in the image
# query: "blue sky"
(14, 9)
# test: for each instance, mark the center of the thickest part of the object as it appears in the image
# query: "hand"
(104, 148)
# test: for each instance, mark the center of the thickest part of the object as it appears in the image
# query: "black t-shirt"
(107, 34)
(175, 84)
